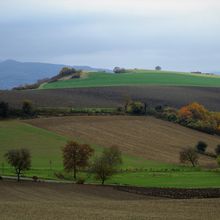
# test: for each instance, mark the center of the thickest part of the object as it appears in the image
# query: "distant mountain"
(14, 73)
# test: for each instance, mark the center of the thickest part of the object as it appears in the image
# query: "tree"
(4, 109)
(66, 71)
(20, 159)
(136, 107)
(27, 108)
(76, 156)
(119, 70)
(189, 155)
(107, 164)
(201, 146)
(158, 68)
(217, 150)
(194, 111)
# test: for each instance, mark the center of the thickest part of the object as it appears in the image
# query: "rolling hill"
(137, 77)
(147, 160)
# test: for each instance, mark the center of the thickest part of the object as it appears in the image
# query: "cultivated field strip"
(116, 96)
(146, 137)
(26, 200)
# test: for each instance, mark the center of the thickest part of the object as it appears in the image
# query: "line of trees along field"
(193, 115)
(76, 157)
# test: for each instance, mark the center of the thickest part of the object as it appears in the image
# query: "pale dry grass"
(26, 200)
(147, 137)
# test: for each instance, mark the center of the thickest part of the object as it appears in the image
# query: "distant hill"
(14, 73)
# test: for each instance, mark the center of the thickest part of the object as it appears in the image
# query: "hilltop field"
(137, 77)
(105, 90)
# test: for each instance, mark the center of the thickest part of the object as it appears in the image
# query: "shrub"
(59, 175)
(218, 160)
(80, 180)
(27, 108)
(4, 110)
(217, 150)
(201, 146)
(35, 178)
(136, 108)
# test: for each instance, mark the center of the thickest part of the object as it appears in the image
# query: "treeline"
(26, 110)
(194, 115)
(76, 158)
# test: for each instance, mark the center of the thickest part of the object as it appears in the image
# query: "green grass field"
(46, 146)
(137, 77)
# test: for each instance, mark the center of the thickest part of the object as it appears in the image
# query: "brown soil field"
(142, 136)
(115, 96)
(48, 201)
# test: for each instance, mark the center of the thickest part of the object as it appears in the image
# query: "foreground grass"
(46, 153)
(138, 77)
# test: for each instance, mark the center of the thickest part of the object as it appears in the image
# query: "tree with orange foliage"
(76, 156)
(194, 111)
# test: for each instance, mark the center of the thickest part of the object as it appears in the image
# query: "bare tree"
(20, 159)
(106, 165)
(189, 155)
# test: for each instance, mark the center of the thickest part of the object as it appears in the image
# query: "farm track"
(26, 200)
(146, 137)
(115, 96)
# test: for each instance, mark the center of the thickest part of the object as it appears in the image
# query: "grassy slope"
(46, 146)
(138, 77)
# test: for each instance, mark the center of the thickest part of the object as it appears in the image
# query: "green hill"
(137, 77)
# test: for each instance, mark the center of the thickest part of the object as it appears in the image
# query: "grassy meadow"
(45, 147)
(137, 77)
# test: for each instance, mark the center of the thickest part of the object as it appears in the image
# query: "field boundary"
(170, 193)
(173, 193)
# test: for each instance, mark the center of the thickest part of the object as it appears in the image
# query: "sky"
(175, 34)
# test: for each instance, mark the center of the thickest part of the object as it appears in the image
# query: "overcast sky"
(178, 35)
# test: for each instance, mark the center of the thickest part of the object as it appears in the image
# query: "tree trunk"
(74, 172)
(103, 181)
(18, 176)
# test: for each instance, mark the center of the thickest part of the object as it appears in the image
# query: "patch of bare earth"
(47, 201)
(147, 137)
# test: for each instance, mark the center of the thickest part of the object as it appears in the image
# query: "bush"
(4, 110)
(80, 180)
(59, 175)
(201, 146)
(27, 108)
(218, 160)
(217, 150)
(136, 108)
(35, 178)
